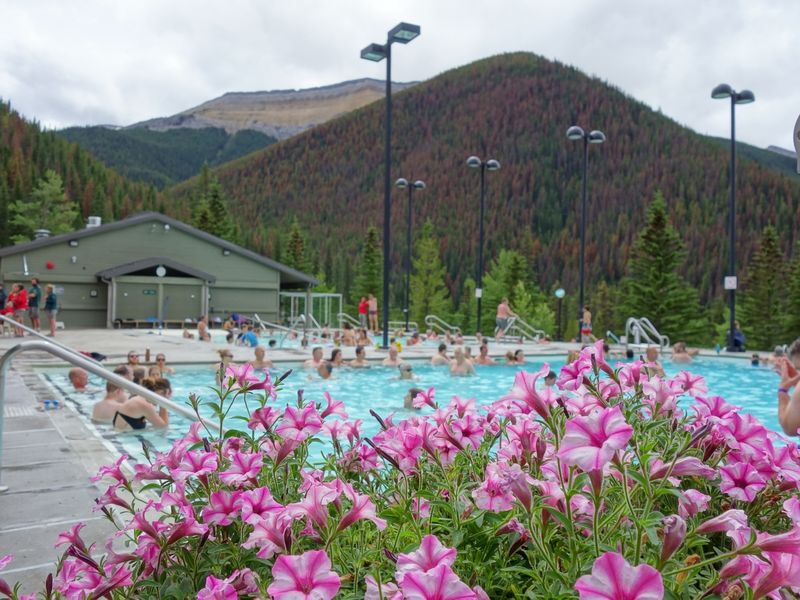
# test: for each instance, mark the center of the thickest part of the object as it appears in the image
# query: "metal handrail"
(33, 332)
(402, 325)
(72, 357)
(644, 328)
(292, 329)
(344, 317)
(525, 329)
(613, 336)
(435, 322)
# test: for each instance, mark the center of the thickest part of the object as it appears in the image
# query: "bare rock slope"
(280, 113)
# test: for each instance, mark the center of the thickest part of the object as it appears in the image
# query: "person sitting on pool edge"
(788, 399)
(136, 412)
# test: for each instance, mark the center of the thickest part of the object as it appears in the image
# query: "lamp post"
(484, 165)
(594, 137)
(402, 34)
(721, 92)
(417, 185)
(560, 293)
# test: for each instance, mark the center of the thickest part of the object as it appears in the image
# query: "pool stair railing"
(345, 318)
(440, 325)
(37, 334)
(518, 327)
(640, 331)
(79, 360)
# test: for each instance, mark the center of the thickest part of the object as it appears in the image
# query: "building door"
(181, 302)
(136, 300)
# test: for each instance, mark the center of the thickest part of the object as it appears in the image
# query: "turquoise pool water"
(379, 388)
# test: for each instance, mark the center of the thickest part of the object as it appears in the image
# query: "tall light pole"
(721, 92)
(594, 137)
(484, 165)
(560, 293)
(417, 185)
(402, 34)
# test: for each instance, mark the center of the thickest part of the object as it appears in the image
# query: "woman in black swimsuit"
(136, 411)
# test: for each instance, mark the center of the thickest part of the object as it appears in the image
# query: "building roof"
(290, 276)
(153, 261)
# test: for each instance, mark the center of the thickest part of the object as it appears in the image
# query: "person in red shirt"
(363, 305)
(18, 301)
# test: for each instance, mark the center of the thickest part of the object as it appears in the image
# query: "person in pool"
(160, 369)
(225, 359)
(550, 379)
(136, 412)
(104, 410)
(316, 359)
(325, 370)
(789, 390)
(519, 357)
(653, 365)
(336, 359)
(460, 366)
(440, 358)
(260, 362)
(681, 354)
(408, 401)
(393, 360)
(360, 361)
(483, 357)
(406, 371)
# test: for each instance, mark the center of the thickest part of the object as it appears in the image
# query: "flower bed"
(601, 489)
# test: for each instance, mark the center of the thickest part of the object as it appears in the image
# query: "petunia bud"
(674, 533)
(541, 448)
(283, 377)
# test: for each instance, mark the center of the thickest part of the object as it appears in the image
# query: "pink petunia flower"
(524, 392)
(363, 509)
(315, 504)
(430, 554)
(420, 508)
(333, 407)
(257, 504)
(223, 507)
(791, 508)
(425, 399)
(694, 385)
(195, 463)
(272, 534)
(571, 376)
(494, 494)
(591, 441)
(5, 560)
(217, 589)
(440, 583)
(386, 591)
(730, 520)
(690, 466)
(661, 395)
(72, 537)
(692, 502)
(112, 471)
(245, 376)
(614, 578)
(740, 481)
(244, 469)
(304, 577)
(299, 424)
(263, 418)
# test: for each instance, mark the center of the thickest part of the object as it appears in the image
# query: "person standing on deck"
(34, 298)
(586, 327)
(372, 304)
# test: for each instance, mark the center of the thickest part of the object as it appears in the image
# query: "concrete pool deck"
(48, 456)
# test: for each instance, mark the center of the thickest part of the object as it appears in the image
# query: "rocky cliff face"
(280, 113)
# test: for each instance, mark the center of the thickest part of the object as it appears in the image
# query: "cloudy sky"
(99, 61)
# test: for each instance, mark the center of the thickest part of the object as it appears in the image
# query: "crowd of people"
(21, 305)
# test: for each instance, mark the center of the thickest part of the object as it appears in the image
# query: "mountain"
(163, 158)
(279, 114)
(514, 108)
(26, 152)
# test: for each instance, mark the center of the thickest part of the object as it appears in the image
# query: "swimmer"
(79, 380)
(509, 358)
(260, 362)
(519, 357)
(468, 354)
(393, 360)
(161, 366)
(316, 359)
(788, 399)
(483, 357)
(103, 411)
(550, 379)
(440, 358)
(133, 361)
(136, 411)
(460, 366)
(681, 354)
(348, 335)
(225, 359)
(325, 370)
(336, 358)
(572, 356)
(360, 361)
(653, 366)
(406, 371)
(414, 339)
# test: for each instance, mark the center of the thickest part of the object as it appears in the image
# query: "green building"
(149, 267)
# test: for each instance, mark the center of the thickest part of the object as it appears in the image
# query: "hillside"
(163, 158)
(280, 113)
(26, 152)
(515, 108)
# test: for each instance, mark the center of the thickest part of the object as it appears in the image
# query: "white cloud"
(93, 61)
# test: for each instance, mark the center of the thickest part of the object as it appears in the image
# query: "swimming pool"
(379, 389)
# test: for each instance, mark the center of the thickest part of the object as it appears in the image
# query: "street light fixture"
(596, 136)
(402, 33)
(489, 165)
(722, 92)
(417, 185)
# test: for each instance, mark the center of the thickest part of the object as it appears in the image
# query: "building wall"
(242, 284)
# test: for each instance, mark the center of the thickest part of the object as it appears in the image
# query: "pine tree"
(428, 292)
(505, 272)
(792, 320)
(654, 289)
(465, 313)
(295, 255)
(762, 302)
(369, 278)
(47, 208)
(222, 222)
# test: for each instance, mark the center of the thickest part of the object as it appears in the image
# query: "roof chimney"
(39, 234)
(93, 222)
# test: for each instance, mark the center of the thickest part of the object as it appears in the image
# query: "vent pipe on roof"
(39, 234)
(94, 222)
